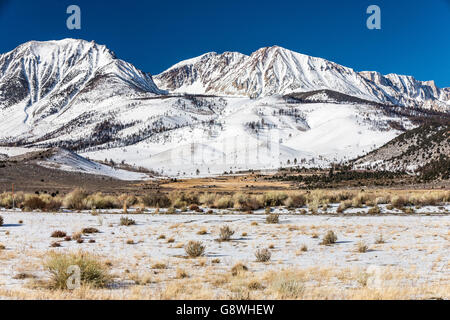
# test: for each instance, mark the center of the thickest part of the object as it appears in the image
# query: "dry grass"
(329, 238)
(194, 249)
(272, 218)
(92, 271)
(263, 255)
(225, 233)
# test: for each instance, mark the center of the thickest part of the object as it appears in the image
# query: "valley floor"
(406, 257)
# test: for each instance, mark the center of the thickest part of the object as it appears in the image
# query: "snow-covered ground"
(248, 134)
(417, 244)
(69, 161)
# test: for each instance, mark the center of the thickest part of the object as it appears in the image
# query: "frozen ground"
(416, 245)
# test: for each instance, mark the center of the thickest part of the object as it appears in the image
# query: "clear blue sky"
(153, 35)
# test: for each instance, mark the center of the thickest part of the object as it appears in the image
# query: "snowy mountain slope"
(407, 91)
(263, 133)
(411, 150)
(69, 161)
(43, 79)
(244, 112)
(267, 71)
(275, 70)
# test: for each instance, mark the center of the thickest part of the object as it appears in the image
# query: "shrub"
(238, 268)
(379, 240)
(359, 200)
(202, 231)
(225, 233)
(194, 249)
(374, 210)
(55, 245)
(289, 288)
(52, 205)
(247, 202)
(89, 230)
(92, 271)
(181, 274)
(125, 221)
(362, 247)
(156, 200)
(343, 206)
(398, 202)
(272, 199)
(1, 221)
(171, 210)
(207, 199)
(75, 199)
(272, 218)
(263, 255)
(314, 206)
(224, 202)
(58, 234)
(255, 285)
(34, 202)
(77, 236)
(304, 248)
(159, 265)
(295, 201)
(193, 207)
(181, 199)
(408, 210)
(101, 201)
(329, 238)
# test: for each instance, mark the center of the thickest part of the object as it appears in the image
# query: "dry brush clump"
(225, 233)
(43, 202)
(374, 210)
(288, 287)
(100, 201)
(1, 221)
(329, 238)
(263, 255)
(272, 218)
(194, 249)
(89, 230)
(156, 200)
(344, 205)
(361, 247)
(75, 199)
(58, 234)
(238, 269)
(125, 221)
(224, 202)
(61, 267)
(247, 202)
(295, 200)
(379, 239)
(273, 199)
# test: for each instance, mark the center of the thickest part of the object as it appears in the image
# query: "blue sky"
(153, 35)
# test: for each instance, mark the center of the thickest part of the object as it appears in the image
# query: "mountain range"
(207, 115)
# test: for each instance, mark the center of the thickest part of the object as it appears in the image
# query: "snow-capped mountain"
(40, 79)
(275, 70)
(407, 91)
(272, 108)
(267, 71)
